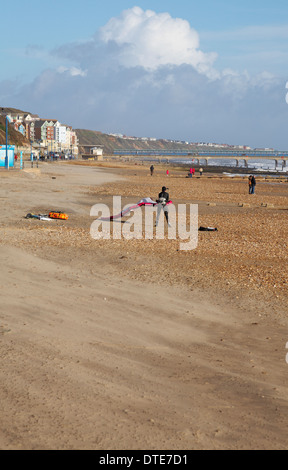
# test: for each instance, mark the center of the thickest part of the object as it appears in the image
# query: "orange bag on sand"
(58, 215)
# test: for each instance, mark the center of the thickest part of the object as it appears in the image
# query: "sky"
(209, 71)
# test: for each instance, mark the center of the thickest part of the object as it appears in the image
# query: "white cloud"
(152, 40)
(73, 71)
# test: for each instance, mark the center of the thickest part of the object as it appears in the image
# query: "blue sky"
(212, 71)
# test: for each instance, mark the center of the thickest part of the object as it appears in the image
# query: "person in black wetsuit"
(162, 201)
(253, 184)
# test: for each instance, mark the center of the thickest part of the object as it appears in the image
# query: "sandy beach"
(135, 344)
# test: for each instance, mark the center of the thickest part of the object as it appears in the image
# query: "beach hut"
(10, 154)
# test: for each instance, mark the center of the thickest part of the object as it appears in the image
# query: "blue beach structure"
(10, 155)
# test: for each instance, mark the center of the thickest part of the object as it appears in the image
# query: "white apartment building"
(65, 138)
(61, 134)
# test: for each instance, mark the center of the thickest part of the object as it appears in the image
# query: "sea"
(259, 166)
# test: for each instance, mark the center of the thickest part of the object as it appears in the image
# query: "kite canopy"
(146, 201)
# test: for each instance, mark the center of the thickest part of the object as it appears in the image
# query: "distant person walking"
(193, 171)
(201, 171)
(250, 183)
(167, 173)
(163, 199)
(151, 170)
(253, 184)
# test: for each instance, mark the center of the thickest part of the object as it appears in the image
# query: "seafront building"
(48, 135)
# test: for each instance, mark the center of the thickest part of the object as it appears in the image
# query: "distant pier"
(162, 157)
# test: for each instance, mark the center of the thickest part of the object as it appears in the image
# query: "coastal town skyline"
(39, 129)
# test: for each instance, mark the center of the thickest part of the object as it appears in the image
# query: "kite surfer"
(162, 201)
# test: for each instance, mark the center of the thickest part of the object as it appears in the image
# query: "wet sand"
(135, 344)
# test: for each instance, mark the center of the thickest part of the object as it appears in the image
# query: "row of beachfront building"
(46, 133)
